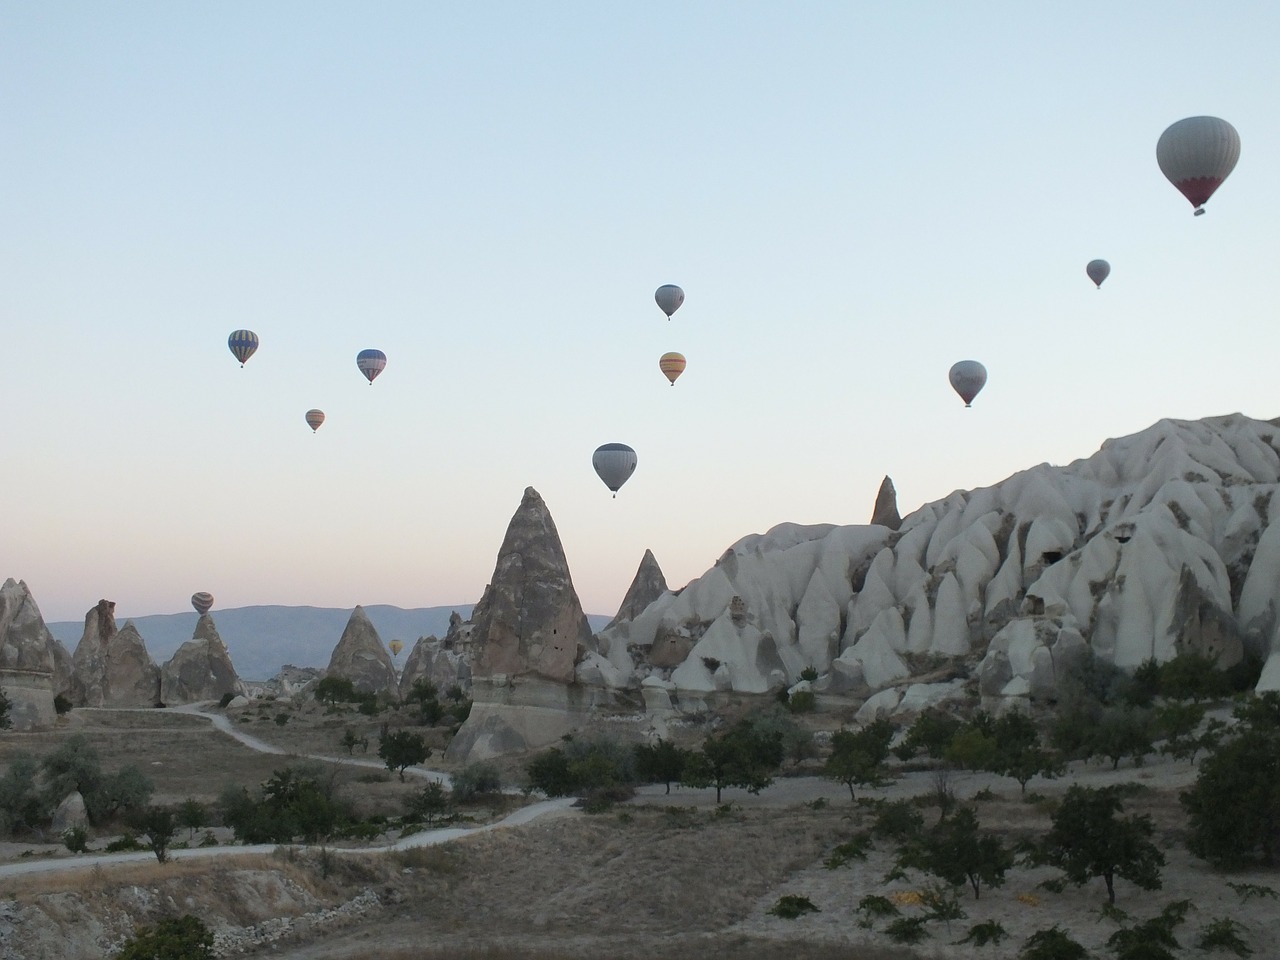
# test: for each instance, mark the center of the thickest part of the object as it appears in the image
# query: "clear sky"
(853, 196)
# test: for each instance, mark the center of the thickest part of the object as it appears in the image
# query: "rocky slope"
(1159, 543)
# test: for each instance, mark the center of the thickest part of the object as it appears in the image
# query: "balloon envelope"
(672, 365)
(371, 363)
(396, 646)
(202, 601)
(669, 298)
(243, 344)
(314, 419)
(1196, 155)
(614, 463)
(1098, 270)
(968, 377)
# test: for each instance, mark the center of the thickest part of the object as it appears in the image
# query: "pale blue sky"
(852, 195)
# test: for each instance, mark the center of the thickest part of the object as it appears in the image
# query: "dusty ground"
(664, 876)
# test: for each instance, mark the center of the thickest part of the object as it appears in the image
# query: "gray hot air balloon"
(614, 463)
(968, 377)
(202, 601)
(1098, 270)
(669, 298)
(1197, 154)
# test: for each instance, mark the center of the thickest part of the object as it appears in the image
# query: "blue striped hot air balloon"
(243, 344)
(371, 363)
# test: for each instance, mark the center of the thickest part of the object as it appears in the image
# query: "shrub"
(76, 839)
(802, 701)
(1052, 944)
(1223, 934)
(790, 906)
(180, 938)
(907, 930)
(474, 780)
(809, 674)
(980, 934)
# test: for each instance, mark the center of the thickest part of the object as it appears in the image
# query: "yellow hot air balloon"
(672, 365)
(396, 646)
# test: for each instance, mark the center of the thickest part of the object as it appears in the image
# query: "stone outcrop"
(27, 659)
(363, 658)
(885, 512)
(1160, 543)
(649, 584)
(290, 682)
(443, 662)
(529, 621)
(70, 814)
(200, 669)
(113, 664)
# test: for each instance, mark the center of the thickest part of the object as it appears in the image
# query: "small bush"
(1223, 934)
(475, 780)
(981, 934)
(791, 906)
(1052, 944)
(281, 719)
(809, 674)
(802, 701)
(180, 938)
(76, 839)
(126, 843)
(874, 905)
(907, 930)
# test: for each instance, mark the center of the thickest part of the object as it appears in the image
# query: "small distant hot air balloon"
(202, 601)
(672, 365)
(1197, 154)
(314, 419)
(396, 646)
(371, 363)
(1098, 270)
(614, 464)
(669, 298)
(968, 377)
(243, 343)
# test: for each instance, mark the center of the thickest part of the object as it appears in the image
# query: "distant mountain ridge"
(261, 639)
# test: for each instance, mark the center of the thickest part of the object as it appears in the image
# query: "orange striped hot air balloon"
(672, 365)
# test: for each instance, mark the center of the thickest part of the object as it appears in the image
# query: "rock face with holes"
(1158, 544)
(527, 635)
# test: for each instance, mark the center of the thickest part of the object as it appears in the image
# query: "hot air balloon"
(371, 363)
(314, 419)
(1197, 154)
(669, 298)
(243, 343)
(1098, 270)
(671, 364)
(614, 463)
(968, 377)
(202, 601)
(396, 646)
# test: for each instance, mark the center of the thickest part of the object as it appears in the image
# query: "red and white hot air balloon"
(672, 365)
(1197, 154)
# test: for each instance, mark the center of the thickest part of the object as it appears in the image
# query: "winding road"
(221, 722)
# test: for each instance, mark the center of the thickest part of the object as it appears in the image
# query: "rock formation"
(529, 621)
(885, 513)
(527, 633)
(27, 659)
(363, 658)
(1160, 543)
(200, 669)
(445, 663)
(113, 665)
(649, 584)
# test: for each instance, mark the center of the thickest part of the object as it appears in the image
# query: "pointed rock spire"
(362, 657)
(114, 665)
(529, 620)
(649, 584)
(28, 665)
(885, 513)
(200, 669)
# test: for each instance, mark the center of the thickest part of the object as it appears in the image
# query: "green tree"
(192, 815)
(1019, 753)
(1234, 805)
(428, 803)
(333, 690)
(858, 757)
(1177, 722)
(72, 766)
(179, 938)
(1123, 732)
(122, 792)
(1052, 944)
(956, 851)
(660, 762)
(350, 741)
(401, 749)
(159, 825)
(23, 808)
(293, 803)
(475, 780)
(741, 757)
(932, 731)
(1089, 839)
